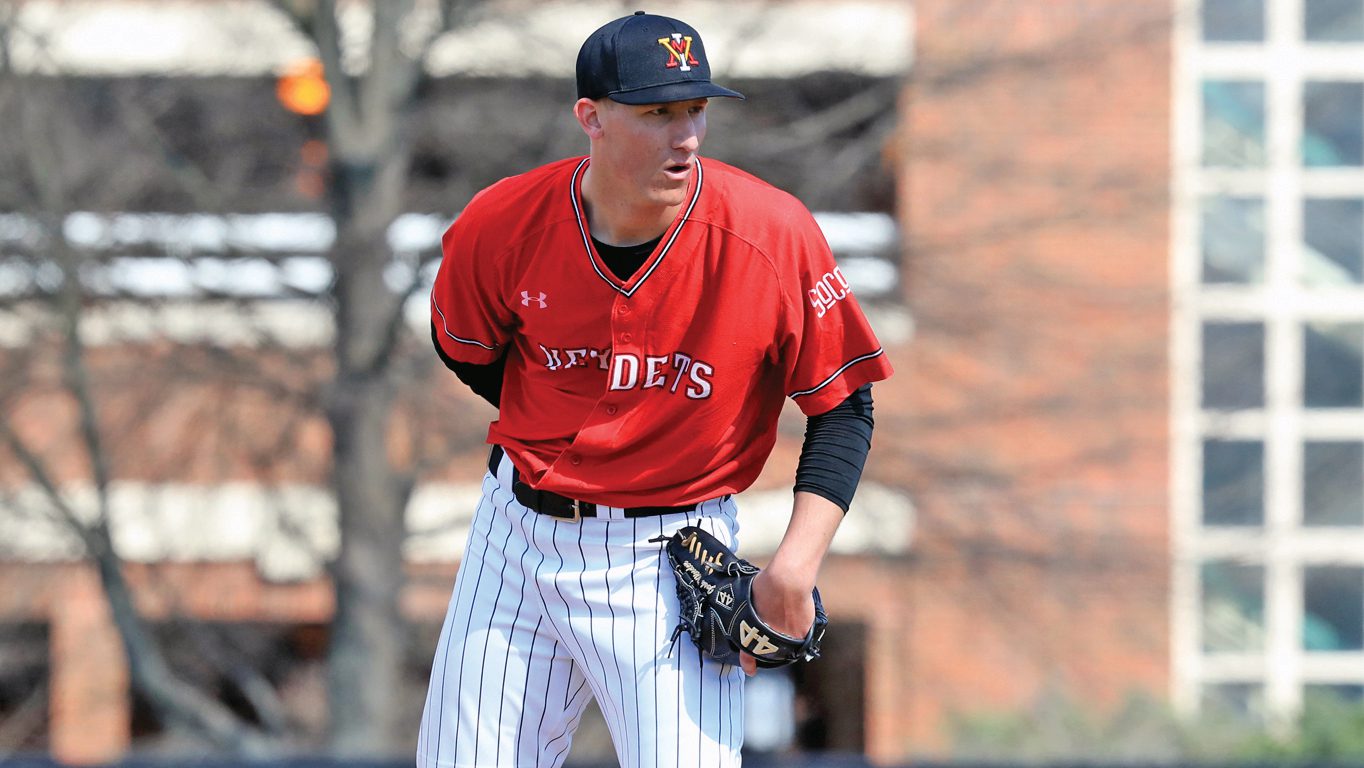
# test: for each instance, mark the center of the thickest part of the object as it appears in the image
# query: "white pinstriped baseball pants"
(547, 613)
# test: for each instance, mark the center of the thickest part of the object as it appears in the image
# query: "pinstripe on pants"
(547, 613)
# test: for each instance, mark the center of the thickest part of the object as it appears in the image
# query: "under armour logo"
(526, 299)
(756, 642)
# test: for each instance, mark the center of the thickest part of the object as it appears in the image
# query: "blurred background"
(1114, 511)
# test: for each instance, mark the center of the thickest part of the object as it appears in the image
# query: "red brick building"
(1035, 190)
(1135, 244)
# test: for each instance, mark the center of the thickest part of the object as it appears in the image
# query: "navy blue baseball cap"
(646, 59)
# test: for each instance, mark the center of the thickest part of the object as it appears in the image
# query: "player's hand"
(785, 602)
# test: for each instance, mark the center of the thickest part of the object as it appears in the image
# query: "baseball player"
(638, 316)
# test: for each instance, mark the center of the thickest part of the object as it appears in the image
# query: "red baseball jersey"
(663, 389)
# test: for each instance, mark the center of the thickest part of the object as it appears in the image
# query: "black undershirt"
(836, 442)
(835, 449)
(484, 380)
(625, 260)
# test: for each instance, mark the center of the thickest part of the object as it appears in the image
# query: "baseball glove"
(715, 588)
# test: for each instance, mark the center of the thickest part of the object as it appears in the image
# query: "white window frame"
(1284, 62)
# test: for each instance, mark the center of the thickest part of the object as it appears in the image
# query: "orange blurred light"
(303, 90)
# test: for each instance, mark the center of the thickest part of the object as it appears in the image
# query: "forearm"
(831, 461)
(814, 520)
(781, 593)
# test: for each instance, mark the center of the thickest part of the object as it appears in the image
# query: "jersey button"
(611, 410)
(625, 337)
(622, 310)
(575, 460)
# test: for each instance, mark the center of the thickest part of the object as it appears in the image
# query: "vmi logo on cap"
(679, 52)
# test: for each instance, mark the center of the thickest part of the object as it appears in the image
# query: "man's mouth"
(677, 169)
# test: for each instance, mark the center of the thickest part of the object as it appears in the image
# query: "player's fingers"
(749, 664)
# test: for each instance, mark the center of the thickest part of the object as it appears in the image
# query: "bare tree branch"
(172, 699)
(300, 13)
(8, 12)
(386, 87)
(342, 115)
(262, 697)
(872, 102)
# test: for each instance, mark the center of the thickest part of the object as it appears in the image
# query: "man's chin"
(670, 194)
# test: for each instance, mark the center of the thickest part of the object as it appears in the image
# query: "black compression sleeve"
(484, 380)
(835, 449)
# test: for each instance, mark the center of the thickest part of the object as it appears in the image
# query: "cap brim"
(683, 91)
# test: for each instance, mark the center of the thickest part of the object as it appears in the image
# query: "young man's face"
(650, 150)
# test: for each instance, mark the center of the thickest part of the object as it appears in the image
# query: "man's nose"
(688, 135)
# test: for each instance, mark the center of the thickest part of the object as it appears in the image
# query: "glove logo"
(693, 545)
(756, 642)
(725, 597)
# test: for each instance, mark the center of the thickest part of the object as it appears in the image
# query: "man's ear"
(589, 114)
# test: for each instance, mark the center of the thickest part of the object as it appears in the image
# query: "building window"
(1334, 21)
(1333, 483)
(25, 700)
(1334, 368)
(1233, 365)
(1333, 608)
(1233, 607)
(1234, 21)
(1240, 701)
(1233, 482)
(1233, 240)
(1333, 235)
(1335, 694)
(1333, 124)
(1268, 344)
(1234, 123)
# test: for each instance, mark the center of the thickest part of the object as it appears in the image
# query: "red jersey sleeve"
(472, 321)
(828, 348)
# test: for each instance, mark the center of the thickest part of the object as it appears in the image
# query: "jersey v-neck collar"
(628, 287)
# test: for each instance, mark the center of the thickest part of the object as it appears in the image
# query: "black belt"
(554, 505)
